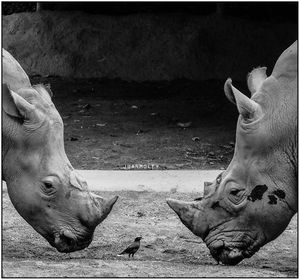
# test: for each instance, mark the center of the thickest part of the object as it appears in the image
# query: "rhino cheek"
(19, 191)
(266, 213)
(39, 212)
(31, 209)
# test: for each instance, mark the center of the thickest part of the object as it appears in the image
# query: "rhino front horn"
(108, 205)
(191, 214)
(105, 206)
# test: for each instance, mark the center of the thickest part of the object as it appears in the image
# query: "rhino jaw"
(191, 214)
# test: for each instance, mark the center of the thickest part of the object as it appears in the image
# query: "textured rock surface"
(142, 47)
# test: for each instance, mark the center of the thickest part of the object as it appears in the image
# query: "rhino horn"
(207, 188)
(192, 216)
(248, 108)
(104, 206)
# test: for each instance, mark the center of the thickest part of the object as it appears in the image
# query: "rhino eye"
(235, 192)
(236, 196)
(48, 188)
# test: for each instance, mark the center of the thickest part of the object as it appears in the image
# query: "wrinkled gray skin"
(42, 184)
(252, 202)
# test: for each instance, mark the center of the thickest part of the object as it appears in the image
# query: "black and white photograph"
(149, 139)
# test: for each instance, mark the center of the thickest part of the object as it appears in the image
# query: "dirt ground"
(168, 249)
(111, 124)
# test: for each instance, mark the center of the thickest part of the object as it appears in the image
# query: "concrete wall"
(143, 47)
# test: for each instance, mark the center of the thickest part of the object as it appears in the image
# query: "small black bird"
(132, 248)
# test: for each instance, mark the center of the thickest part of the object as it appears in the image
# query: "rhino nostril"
(68, 241)
(57, 239)
(231, 256)
(68, 238)
(65, 241)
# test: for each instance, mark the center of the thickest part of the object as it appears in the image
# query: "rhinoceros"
(41, 182)
(254, 199)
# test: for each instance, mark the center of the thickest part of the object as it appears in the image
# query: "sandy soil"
(168, 249)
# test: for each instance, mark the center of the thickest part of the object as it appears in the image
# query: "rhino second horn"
(207, 188)
(191, 214)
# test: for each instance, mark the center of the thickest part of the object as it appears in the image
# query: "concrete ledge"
(185, 181)
(150, 180)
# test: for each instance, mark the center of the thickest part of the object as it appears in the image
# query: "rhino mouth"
(66, 241)
(234, 251)
(230, 255)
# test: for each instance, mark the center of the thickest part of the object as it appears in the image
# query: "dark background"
(267, 11)
(142, 41)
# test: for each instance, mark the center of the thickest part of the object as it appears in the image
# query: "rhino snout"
(230, 254)
(226, 255)
(66, 241)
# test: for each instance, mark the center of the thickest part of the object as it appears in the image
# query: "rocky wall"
(143, 47)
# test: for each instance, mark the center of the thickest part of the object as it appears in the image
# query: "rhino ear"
(246, 107)
(228, 91)
(14, 105)
(256, 78)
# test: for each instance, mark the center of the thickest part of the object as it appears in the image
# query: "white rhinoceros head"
(252, 202)
(41, 182)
